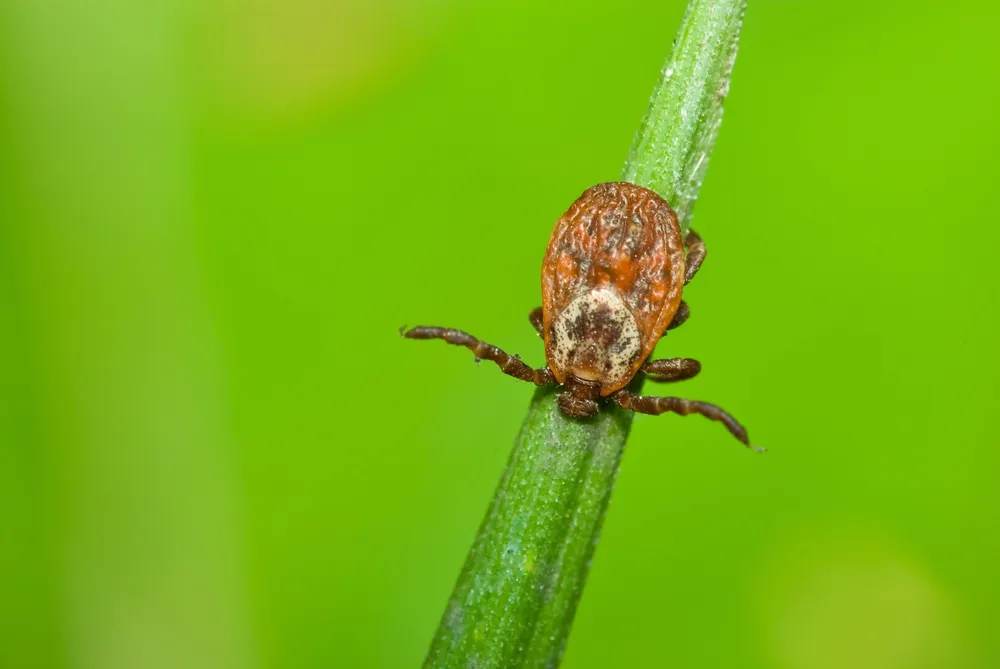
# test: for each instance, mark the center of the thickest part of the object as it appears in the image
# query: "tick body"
(612, 282)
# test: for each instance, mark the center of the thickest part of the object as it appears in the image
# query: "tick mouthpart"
(576, 407)
(578, 398)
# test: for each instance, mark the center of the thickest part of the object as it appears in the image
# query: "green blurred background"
(216, 451)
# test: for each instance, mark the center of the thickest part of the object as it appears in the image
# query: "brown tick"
(611, 287)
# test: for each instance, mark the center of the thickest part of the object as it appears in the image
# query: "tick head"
(578, 398)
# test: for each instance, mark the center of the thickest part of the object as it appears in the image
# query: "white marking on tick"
(596, 337)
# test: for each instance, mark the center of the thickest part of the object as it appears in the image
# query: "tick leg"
(536, 320)
(683, 311)
(509, 364)
(657, 405)
(695, 255)
(671, 369)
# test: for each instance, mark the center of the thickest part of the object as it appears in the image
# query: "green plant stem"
(514, 601)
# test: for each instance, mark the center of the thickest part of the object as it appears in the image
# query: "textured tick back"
(621, 243)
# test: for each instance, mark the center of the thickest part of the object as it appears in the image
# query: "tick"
(612, 279)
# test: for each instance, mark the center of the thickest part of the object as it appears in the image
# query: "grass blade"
(515, 598)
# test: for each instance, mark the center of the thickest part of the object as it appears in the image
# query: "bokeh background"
(216, 451)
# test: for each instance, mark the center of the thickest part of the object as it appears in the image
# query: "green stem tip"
(514, 601)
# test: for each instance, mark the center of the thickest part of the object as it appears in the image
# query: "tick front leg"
(536, 320)
(657, 405)
(671, 369)
(695, 255)
(509, 364)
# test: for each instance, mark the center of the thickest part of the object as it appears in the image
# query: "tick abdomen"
(595, 338)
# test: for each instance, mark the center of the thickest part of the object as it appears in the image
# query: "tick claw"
(402, 331)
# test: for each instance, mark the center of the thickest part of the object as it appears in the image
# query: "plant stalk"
(515, 598)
